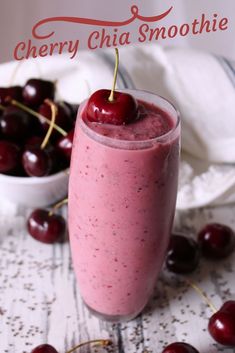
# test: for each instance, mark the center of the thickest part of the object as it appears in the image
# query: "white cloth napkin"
(202, 87)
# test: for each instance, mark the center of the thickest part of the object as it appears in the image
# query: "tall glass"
(122, 197)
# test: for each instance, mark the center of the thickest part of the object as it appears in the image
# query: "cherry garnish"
(222, 324)
(122, 110)
(183, 254)
(44, 348)
(36, 91)
(45, 227)
(65, 144)
(63, 116)
(6, 93)
(180, 347)
(9, 156)
(15, 124)
(216, 240)
(37, 161)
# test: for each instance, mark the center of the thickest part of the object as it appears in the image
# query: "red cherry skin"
(34, 141)
(7, 93)
(221, 325)
(15, 124)
(216, 240)
(3, 95)
(9, 156)
(180, 347)
(63, 116)
(36, 91)
(45, 228)
(65, 144)
(44, 348)
(36, 162)
(15, 92)
(73, 110)
(122, 110)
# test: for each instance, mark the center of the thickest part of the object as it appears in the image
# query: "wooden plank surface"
(40, 301)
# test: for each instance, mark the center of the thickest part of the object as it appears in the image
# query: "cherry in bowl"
(36, 91)
(9, 156)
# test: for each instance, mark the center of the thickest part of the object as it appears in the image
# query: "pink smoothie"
(122, 194)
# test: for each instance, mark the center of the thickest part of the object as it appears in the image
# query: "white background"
(18, 17)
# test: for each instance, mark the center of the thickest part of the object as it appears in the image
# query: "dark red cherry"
(7, 93)
(9, 156)
(3, 95)
(73, 110)
(15, 92)
(44, 348)
(216, 240)
(65, 144)
(63, 116)
(222, 324)
(34, 141)
(15, 124)
(183, 254)
(122, 110)
(36, 162)
(46, 228)
(180, 347)
(36, 91)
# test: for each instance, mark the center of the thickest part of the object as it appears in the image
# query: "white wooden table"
(40, 301)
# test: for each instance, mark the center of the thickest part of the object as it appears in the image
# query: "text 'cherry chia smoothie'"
(122, 194)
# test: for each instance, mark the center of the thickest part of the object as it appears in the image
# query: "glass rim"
(127, 144)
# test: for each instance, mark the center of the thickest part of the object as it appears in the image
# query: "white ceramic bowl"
(44, 191)
(32, 191)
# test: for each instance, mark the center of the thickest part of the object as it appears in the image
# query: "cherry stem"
(37, 115)
(58, 205)
(111, 97)
(54, 112)
(99, 342)
(202, 294)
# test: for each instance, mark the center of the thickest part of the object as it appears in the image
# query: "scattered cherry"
(15, 92)
(183, 254)
(216, 240)
(44, 348)
(65, 144)
(9, 156)
(222, 324)
(36, 91)
(46, 228)
(37, 161)
(180, 347)
(122, 110)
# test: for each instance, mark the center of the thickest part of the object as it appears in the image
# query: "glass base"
(115, 319)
